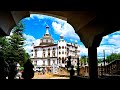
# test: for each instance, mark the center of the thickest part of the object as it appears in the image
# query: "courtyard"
(47, 76)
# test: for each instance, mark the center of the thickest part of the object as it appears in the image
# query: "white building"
(47, 53)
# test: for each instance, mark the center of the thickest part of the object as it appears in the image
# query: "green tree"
(3, 47)
(15, 47)
(112, 57)
(83, 60)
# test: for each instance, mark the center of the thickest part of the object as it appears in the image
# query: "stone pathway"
(47, 76)
(59, 78)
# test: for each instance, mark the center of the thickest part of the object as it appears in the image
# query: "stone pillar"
(93, 69)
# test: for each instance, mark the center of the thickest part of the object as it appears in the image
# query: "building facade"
(47, 53)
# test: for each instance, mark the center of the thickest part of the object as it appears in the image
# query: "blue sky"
(35, 27)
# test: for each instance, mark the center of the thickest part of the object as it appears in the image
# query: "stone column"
(93, 69)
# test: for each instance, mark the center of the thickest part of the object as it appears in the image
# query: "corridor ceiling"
(91, 21)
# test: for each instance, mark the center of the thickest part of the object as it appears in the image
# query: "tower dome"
(47, 38)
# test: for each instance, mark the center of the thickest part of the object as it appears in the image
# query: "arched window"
(48, 52)
(62, 47)
(59, 47)
(59, 52)
(59, 58)
(53, 48)
(48, 49)
(46, 41)
(35, 52)
(62, 52)
(43, 63)
(54, 61)
(63, 61)
(53, 52)
(48, 62)
(43, 52)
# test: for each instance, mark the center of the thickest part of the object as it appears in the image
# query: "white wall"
(62, 43)
(40, 62)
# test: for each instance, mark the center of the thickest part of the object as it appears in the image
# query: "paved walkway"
(47, 76)
(59, 78)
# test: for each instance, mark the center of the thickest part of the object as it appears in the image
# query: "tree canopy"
(12, 46)
(113, 57)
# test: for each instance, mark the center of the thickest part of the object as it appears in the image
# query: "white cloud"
(65, 29)
(111, 44)
(76, 41)
(106, 37)
(38, 16)
(83, 50)
(71, 40)
(115, 39)
(108, 50)
(28, 42)
(28, 18)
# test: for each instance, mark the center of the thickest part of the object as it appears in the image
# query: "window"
(54, 61)
(43, 63)
(62, 52)
(43, 50)
(59, 47)
(62, 47)
(36, 53)
(67, 49)
(48, 49)
(59, 52)
(46, 41)
(53, 48)
(48, 54)
(44, 55)
(53, 53)
(62, 61)
(48, 62)
(59, 58)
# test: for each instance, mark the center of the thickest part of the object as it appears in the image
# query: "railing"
(112, 68)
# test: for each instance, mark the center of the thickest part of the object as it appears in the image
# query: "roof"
(47, 36)
(45, 46)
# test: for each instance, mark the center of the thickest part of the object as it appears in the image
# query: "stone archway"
(89, 25)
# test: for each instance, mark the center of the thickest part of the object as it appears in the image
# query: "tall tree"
(3, 47)
(15, 48)
(83, 60)
(112, 57)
